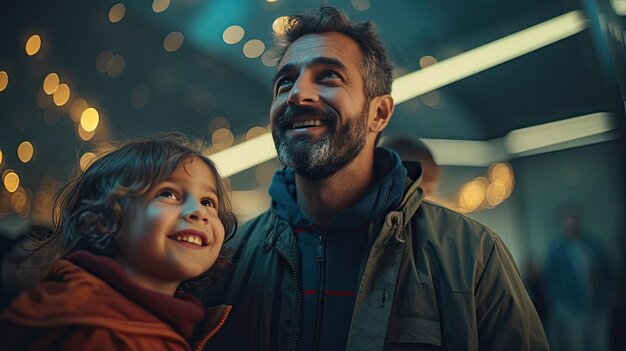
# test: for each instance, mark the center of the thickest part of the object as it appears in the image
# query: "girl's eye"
(168, 194)
(208, 203)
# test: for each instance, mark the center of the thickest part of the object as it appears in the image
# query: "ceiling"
(189, 88)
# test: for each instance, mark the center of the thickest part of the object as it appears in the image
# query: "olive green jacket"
(434, 279)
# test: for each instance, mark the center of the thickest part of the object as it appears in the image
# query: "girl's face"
(174, 233)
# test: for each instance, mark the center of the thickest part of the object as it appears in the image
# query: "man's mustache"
(285, 121)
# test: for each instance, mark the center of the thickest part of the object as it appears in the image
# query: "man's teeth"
(190, 239)
(311, 123)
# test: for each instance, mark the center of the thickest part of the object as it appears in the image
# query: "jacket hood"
(384, 195)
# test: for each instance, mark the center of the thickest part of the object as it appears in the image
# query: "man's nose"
(304, 91)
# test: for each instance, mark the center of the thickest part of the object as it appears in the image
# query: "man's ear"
(381, 109)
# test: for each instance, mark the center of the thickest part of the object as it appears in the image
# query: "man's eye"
(329, 75)
(168, 194)
(208, 203)
(283, 82)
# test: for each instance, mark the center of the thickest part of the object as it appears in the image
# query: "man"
(348, 257)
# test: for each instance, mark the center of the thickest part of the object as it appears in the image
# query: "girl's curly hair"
(90, 210)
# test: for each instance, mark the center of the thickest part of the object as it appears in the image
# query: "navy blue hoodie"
(332, 256)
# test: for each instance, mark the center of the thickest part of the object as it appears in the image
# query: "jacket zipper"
(321, 277)
(209, 335)
(298, 323)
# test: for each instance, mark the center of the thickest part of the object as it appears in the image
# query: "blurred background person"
(413, 149)
(578, 281)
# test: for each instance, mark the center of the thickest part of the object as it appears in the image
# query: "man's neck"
(321, 200)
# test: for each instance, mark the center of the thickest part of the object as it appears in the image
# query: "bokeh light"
(1, 158)
(117, 12)
(140, 96)
(160, 5)
(253, 48)
(43, 100)
(83, 134)
(115, 66)
(426, 61)
(233, 34)
(25, 151)
(255, 132)
(217, 123)
(76, 109)
(19, 199)
(173, 41)
(473, 194)
(11, 180)
(361, 5)
(280, 24)
(51, 83)
(269, 58)
(33, 44)
(4, 80)
(61, 95)
(103, 60)
(89, 119)
(222, 136)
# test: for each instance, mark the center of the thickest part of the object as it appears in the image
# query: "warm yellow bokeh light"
(173, 41)
(4, 80)
(18, 200)
(51, 83)
(86, 160)
(77, 108)
(89, 119)
(11, 180)
(25, 151)
(255, 132)
(0, 157)
(269, 58)
(496, 193)
(427, 61)
(271, 0)
(473, 194)
(33, 44)
(253, 48)
(500, 172)
(85, 135)
(117, 12)
(61, 95)
(160, 5)
(233, 34)
(279, 25)
(223, 136)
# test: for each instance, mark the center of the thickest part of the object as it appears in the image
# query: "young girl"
(140, 220)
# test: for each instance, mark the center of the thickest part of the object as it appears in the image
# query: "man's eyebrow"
(322, 60)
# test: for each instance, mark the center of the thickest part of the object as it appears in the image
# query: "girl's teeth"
(190, 239)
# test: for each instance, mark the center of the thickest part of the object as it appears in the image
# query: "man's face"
(319, 115)
(175, 233)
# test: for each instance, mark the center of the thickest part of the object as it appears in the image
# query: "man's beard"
(332, 152)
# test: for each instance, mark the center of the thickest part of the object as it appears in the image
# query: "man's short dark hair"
(375, 64)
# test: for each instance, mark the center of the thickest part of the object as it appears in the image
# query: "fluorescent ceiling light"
(619, 6)
(487, 56)
(260, 149)
(245, 155)
(540, 136)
